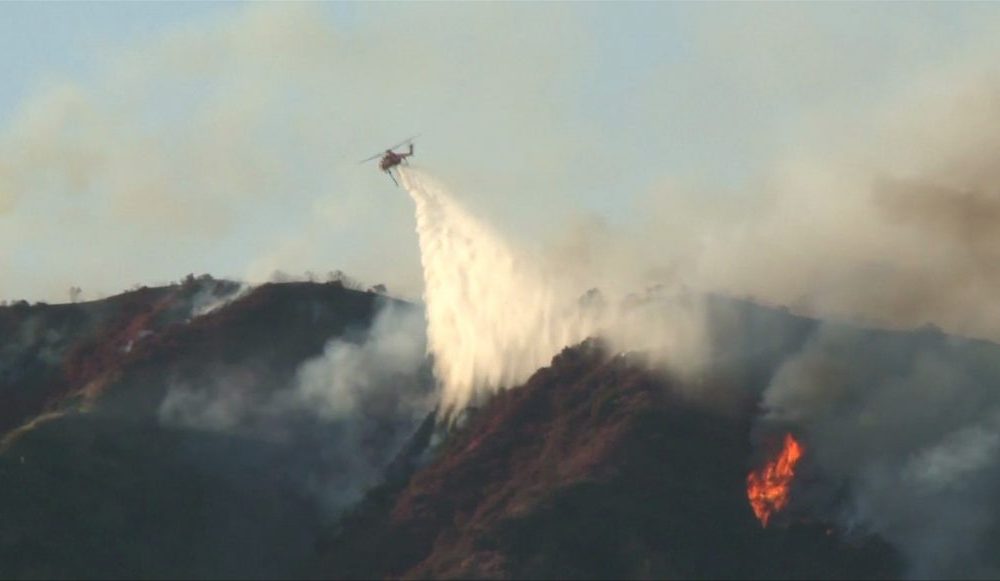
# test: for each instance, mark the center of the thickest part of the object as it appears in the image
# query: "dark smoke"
(909, 424)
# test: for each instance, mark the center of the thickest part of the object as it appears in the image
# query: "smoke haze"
(495, 315)
(210, 153)
(909, 422)
(888, 232)
(870, 196)
(349, 410)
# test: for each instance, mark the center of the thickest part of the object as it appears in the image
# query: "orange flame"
(767, 488)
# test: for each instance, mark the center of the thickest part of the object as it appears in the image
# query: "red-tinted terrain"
(595, 468)
(148, 436)
(95, 483)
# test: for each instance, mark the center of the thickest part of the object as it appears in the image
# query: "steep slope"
(160, 443)
(160, 450)
(258, 342)
(50, 352)
(595, 468)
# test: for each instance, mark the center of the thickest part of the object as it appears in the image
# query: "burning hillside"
(595, 468)
(298, 397)
(867, 400)
(697, 305)
(768, 487)
(294, 426)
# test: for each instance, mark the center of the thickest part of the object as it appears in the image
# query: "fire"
(767, 488)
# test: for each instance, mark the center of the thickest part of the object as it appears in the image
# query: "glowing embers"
(768, 487)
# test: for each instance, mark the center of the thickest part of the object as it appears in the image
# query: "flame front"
(767, 488)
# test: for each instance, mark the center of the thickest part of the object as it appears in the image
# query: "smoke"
(495, 314)
(346, 413)
(369, 377)
(907, 422)
(211, 298)
(887, 218)
(889, 222)
(911, 423)
(220, 406)
(212, 153)
(375, 393)
(892, 225)
(888, 234)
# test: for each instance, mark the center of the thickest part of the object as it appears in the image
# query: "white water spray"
(494, 315)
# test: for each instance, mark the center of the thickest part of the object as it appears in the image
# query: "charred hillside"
(595, 468)
(160, 434)
(205, 431)
(49, 351)
(59, 356)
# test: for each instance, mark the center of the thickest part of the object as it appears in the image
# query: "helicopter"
(391, 159)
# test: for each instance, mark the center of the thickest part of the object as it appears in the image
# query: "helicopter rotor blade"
(380, 154)
(404, 142)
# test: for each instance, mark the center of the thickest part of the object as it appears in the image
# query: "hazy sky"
(142, 141)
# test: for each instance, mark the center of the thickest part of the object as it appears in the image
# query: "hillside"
(197, 431)
(154, 442)
(595, 468)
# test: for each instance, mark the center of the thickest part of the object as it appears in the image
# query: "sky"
(140, 142)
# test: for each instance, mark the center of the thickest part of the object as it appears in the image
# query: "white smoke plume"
(210, 299)
(349, 409)
(350, 377)
(374, 392)
(896, 233)
(495, 314)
